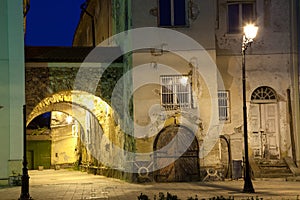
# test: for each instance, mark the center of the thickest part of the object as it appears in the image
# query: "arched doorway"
(264, 123)
(185, 164)
(95, 143)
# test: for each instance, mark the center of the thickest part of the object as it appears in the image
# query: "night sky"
(52, 22)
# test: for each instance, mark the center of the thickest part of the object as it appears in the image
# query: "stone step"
(272, 169)
(273, 165)
(276, 175)
(281, 170)
(275, 171)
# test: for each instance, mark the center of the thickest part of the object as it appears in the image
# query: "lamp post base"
(248, 187)
(25, 187)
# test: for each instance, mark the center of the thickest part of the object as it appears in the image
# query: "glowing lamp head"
(250, 31)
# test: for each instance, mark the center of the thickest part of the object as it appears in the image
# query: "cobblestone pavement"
(70, 185)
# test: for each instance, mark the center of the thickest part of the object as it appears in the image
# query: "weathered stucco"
(270, 63)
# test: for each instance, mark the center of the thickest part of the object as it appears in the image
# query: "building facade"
(177, 93)
(12, 89)
(164, 105)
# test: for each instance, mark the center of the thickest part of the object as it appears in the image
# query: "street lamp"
(250, 32)
(25, 178)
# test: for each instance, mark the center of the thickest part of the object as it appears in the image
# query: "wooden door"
(180, 149)
(30, 161)
(264, 131)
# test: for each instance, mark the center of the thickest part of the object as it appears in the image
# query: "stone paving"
(71, 185)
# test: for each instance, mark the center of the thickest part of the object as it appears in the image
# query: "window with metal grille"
(175, 92)
(240, 14)
(223, 100)
(172, 13)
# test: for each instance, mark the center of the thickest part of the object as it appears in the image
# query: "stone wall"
(80, 92)
(43, 80)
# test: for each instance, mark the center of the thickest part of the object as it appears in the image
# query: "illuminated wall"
(64, 135)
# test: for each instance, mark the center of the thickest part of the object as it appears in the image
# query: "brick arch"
(99, 108)
(74, 110)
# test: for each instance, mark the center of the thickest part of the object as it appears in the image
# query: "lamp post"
(25, 178)
(250, 32)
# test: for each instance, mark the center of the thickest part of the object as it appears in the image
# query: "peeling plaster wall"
(149, 117)
(268, 63)
(63, 146)
(200, 27)
(147, 98)
(274, 32)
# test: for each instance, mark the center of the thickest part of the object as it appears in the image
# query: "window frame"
(172, 25)
(241, 22)
(264, 94)
(226, 107)
(176, 104)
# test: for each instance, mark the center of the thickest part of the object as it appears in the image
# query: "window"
(223, 100)
(240, 14)
(175, 92)
(172, 13)
(263, 94)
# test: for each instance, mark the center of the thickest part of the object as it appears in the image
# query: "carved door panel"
(181, 150)
(270, 125)
(264, 131)
(255, 127)
(187, 166)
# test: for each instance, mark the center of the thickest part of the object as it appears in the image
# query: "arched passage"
(182, 149)
(83, 99)
(99, 130)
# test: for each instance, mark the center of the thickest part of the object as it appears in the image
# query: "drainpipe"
(298, 81)
(288, 91)
(83, 8)
(26, 7)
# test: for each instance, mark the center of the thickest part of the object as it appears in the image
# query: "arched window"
(263, 94)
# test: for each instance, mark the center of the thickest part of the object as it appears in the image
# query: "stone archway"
(101, 131)
(185, 165)
(74, 97)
